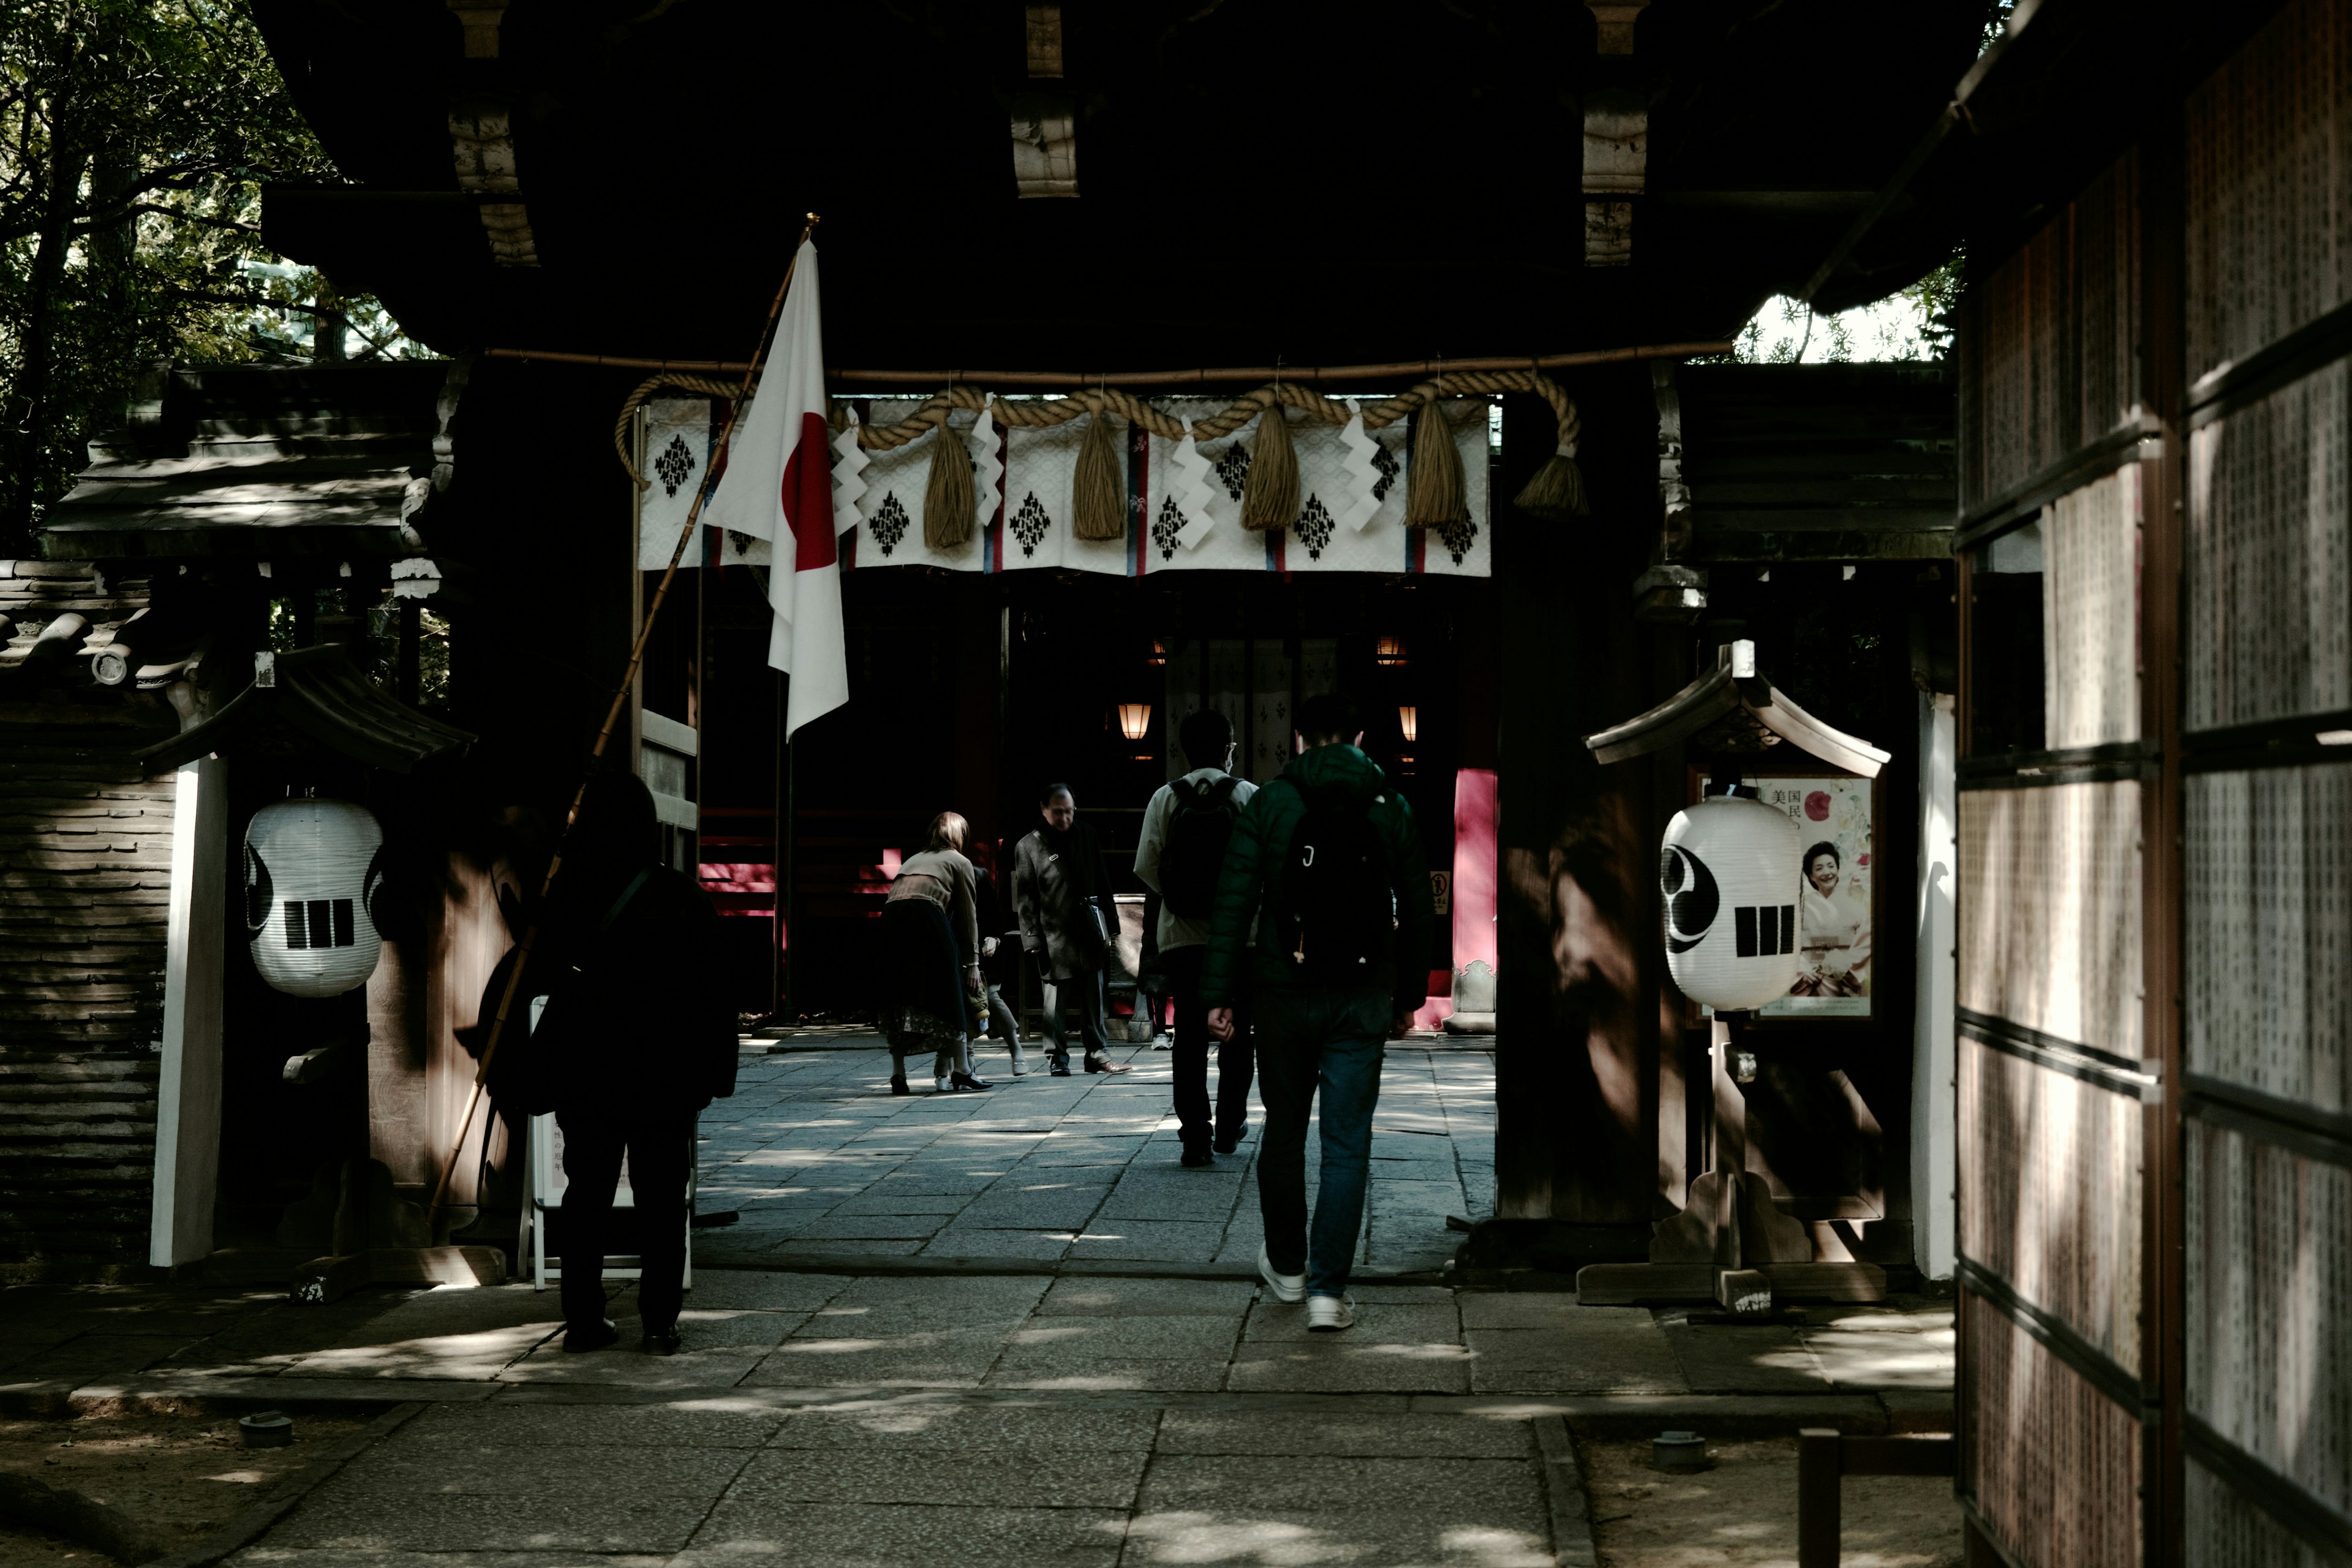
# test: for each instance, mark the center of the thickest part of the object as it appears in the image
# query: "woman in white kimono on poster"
(1835, 931)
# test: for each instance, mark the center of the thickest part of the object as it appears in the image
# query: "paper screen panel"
(2270, 559)
(2052, 1463)
(2269, 219)
(2090, 613)
(2267, 918)
(2046, 342)
(2050, 911)
(2226, 1530)
(2051, 1193)
(2269, 1239)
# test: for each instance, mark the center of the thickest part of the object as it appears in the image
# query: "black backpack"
(1337, 918)
(1194, 855)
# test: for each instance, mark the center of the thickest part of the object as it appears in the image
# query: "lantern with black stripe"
(1728, 871)
(311, 876)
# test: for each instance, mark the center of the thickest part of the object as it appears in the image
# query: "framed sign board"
(1837, 899)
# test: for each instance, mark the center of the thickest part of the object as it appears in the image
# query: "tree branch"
(174, 212)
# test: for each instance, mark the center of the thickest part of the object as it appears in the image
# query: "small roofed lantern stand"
(1728, 874)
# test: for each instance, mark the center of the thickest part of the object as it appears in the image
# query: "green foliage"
(134, 137)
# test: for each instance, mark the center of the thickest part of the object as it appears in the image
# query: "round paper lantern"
(1729, 874)
(310, 884)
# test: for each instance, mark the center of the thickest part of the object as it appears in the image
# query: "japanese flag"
(778, 485)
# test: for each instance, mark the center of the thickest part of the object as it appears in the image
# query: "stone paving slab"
(778, 1532)
(1063, 1479)
(822, 1162)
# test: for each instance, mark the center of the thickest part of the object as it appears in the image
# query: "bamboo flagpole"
(613, 718)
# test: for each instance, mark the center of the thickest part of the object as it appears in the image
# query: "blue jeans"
(1306, 1037)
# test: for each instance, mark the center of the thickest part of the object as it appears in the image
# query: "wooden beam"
(188, 1112)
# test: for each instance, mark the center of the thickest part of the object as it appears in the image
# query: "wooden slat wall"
(2270, 185)
(2052, 1466)
(2269, 931)
(2225, 1530)
(2270, 614)
(2272, 1373)
(2052, 1168)
(2049, 340)
(85, 870)
(2090, 585)
(2267, 845)
(2050, 916)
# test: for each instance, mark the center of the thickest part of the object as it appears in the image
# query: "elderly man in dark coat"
(1061, 891)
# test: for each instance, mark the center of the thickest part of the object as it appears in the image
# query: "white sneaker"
(1285, 1287)
(1329, 1314)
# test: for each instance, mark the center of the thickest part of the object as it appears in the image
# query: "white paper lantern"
(310, 884)
(1729, 873)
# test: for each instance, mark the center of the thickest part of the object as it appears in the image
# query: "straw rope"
(1035, 414)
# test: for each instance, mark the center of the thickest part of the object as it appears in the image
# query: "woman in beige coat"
(930, 960)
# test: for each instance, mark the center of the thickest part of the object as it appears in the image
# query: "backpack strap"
(622, 902)
(1224, 788)
(1184, 793)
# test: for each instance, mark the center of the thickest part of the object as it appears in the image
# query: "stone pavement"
(982, 1328)
(886, 1420)
(826, 1166)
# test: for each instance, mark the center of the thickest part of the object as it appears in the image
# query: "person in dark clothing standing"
(1061, 890)
(1326, 864)
(1185, 831)
(1000, 949)
(637, 1038)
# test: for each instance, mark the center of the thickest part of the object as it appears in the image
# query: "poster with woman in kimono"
(1835, 895)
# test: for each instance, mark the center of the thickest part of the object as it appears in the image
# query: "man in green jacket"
(1328, 863)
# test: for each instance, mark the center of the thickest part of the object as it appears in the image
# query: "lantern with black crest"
(1728, 872)
(312, 873)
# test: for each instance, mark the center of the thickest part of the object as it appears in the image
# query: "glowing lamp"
(1135, 720)
(1409, 720)
(1387, 651)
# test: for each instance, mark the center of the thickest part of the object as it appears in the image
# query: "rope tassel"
(1556, 493)
(949, 502)
(1098, 483)
(1435, 493)
(1270, 491)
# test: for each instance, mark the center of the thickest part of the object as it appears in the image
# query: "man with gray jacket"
(1185, 832)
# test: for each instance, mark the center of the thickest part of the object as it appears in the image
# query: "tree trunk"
(327, 325)
(32, 398)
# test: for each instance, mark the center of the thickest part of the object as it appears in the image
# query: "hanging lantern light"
(1134, 719)
(1409, 721)
(1729, 873)
(1389, 651)
(311, 876)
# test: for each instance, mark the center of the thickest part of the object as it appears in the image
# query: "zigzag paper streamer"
(1363, 472)
(849, 462)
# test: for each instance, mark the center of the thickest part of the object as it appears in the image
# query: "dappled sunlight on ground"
(1743, 1511)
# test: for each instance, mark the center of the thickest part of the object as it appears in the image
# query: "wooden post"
(1818, 1497)
(188, 1113)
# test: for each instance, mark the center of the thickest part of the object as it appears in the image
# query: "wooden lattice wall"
(2156, 885)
